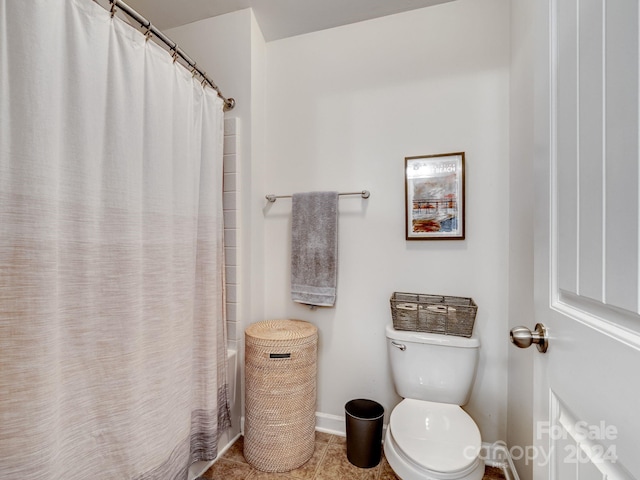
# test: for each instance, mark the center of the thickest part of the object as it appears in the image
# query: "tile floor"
(329, 462)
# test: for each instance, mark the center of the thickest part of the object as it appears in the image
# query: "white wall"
(520, 395)
(339, 110)
(344, 107)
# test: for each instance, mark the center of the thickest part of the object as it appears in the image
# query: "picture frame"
(434, 197)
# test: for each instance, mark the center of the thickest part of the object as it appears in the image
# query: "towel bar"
(364, 194)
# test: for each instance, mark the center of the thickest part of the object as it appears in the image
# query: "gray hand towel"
(314, 248)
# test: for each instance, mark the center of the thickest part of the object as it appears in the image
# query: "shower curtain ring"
(194, 71)
(147, 33)
(174, 55)
(112, 10)
(204, 81)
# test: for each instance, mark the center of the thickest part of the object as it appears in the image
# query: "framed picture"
(434, 197)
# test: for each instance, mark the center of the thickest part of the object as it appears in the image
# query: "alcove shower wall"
(230, 207)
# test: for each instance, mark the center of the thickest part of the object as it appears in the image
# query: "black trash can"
(364, 432)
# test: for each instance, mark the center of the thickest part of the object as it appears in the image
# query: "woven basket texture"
(443, 314)
(280, 394)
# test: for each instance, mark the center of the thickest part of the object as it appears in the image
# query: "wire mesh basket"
(433, 313)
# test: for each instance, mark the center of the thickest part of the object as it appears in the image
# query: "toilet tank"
(434, 367)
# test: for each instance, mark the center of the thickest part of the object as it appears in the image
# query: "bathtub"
(232, 369)
(198, 468)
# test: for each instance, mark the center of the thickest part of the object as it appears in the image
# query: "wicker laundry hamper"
(280, 394)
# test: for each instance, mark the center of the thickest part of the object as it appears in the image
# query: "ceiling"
(277, 18)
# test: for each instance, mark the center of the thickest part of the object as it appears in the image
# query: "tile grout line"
(324, 453)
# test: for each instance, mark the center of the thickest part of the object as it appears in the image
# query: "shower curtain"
(112, 331)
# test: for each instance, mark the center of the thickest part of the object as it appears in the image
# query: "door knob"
(522, 337)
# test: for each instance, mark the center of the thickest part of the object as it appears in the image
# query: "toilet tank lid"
(432, 338)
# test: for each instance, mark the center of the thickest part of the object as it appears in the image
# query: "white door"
(587, 385)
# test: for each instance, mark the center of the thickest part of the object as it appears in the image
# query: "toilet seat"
(436, 436)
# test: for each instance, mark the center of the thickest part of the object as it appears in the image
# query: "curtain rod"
(176, 51)
(363, 194)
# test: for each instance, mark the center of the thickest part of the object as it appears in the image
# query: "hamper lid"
(281, 332)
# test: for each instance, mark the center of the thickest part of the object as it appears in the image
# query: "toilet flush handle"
(399, 345)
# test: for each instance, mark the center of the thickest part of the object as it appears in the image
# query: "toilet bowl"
(429, 436)
(427, 440)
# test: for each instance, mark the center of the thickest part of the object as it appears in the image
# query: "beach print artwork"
(434, 187)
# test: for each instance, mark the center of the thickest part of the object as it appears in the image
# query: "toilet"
(429, 436)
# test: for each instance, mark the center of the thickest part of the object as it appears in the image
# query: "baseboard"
(333, 424)
(497, 455)
(326, 423)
